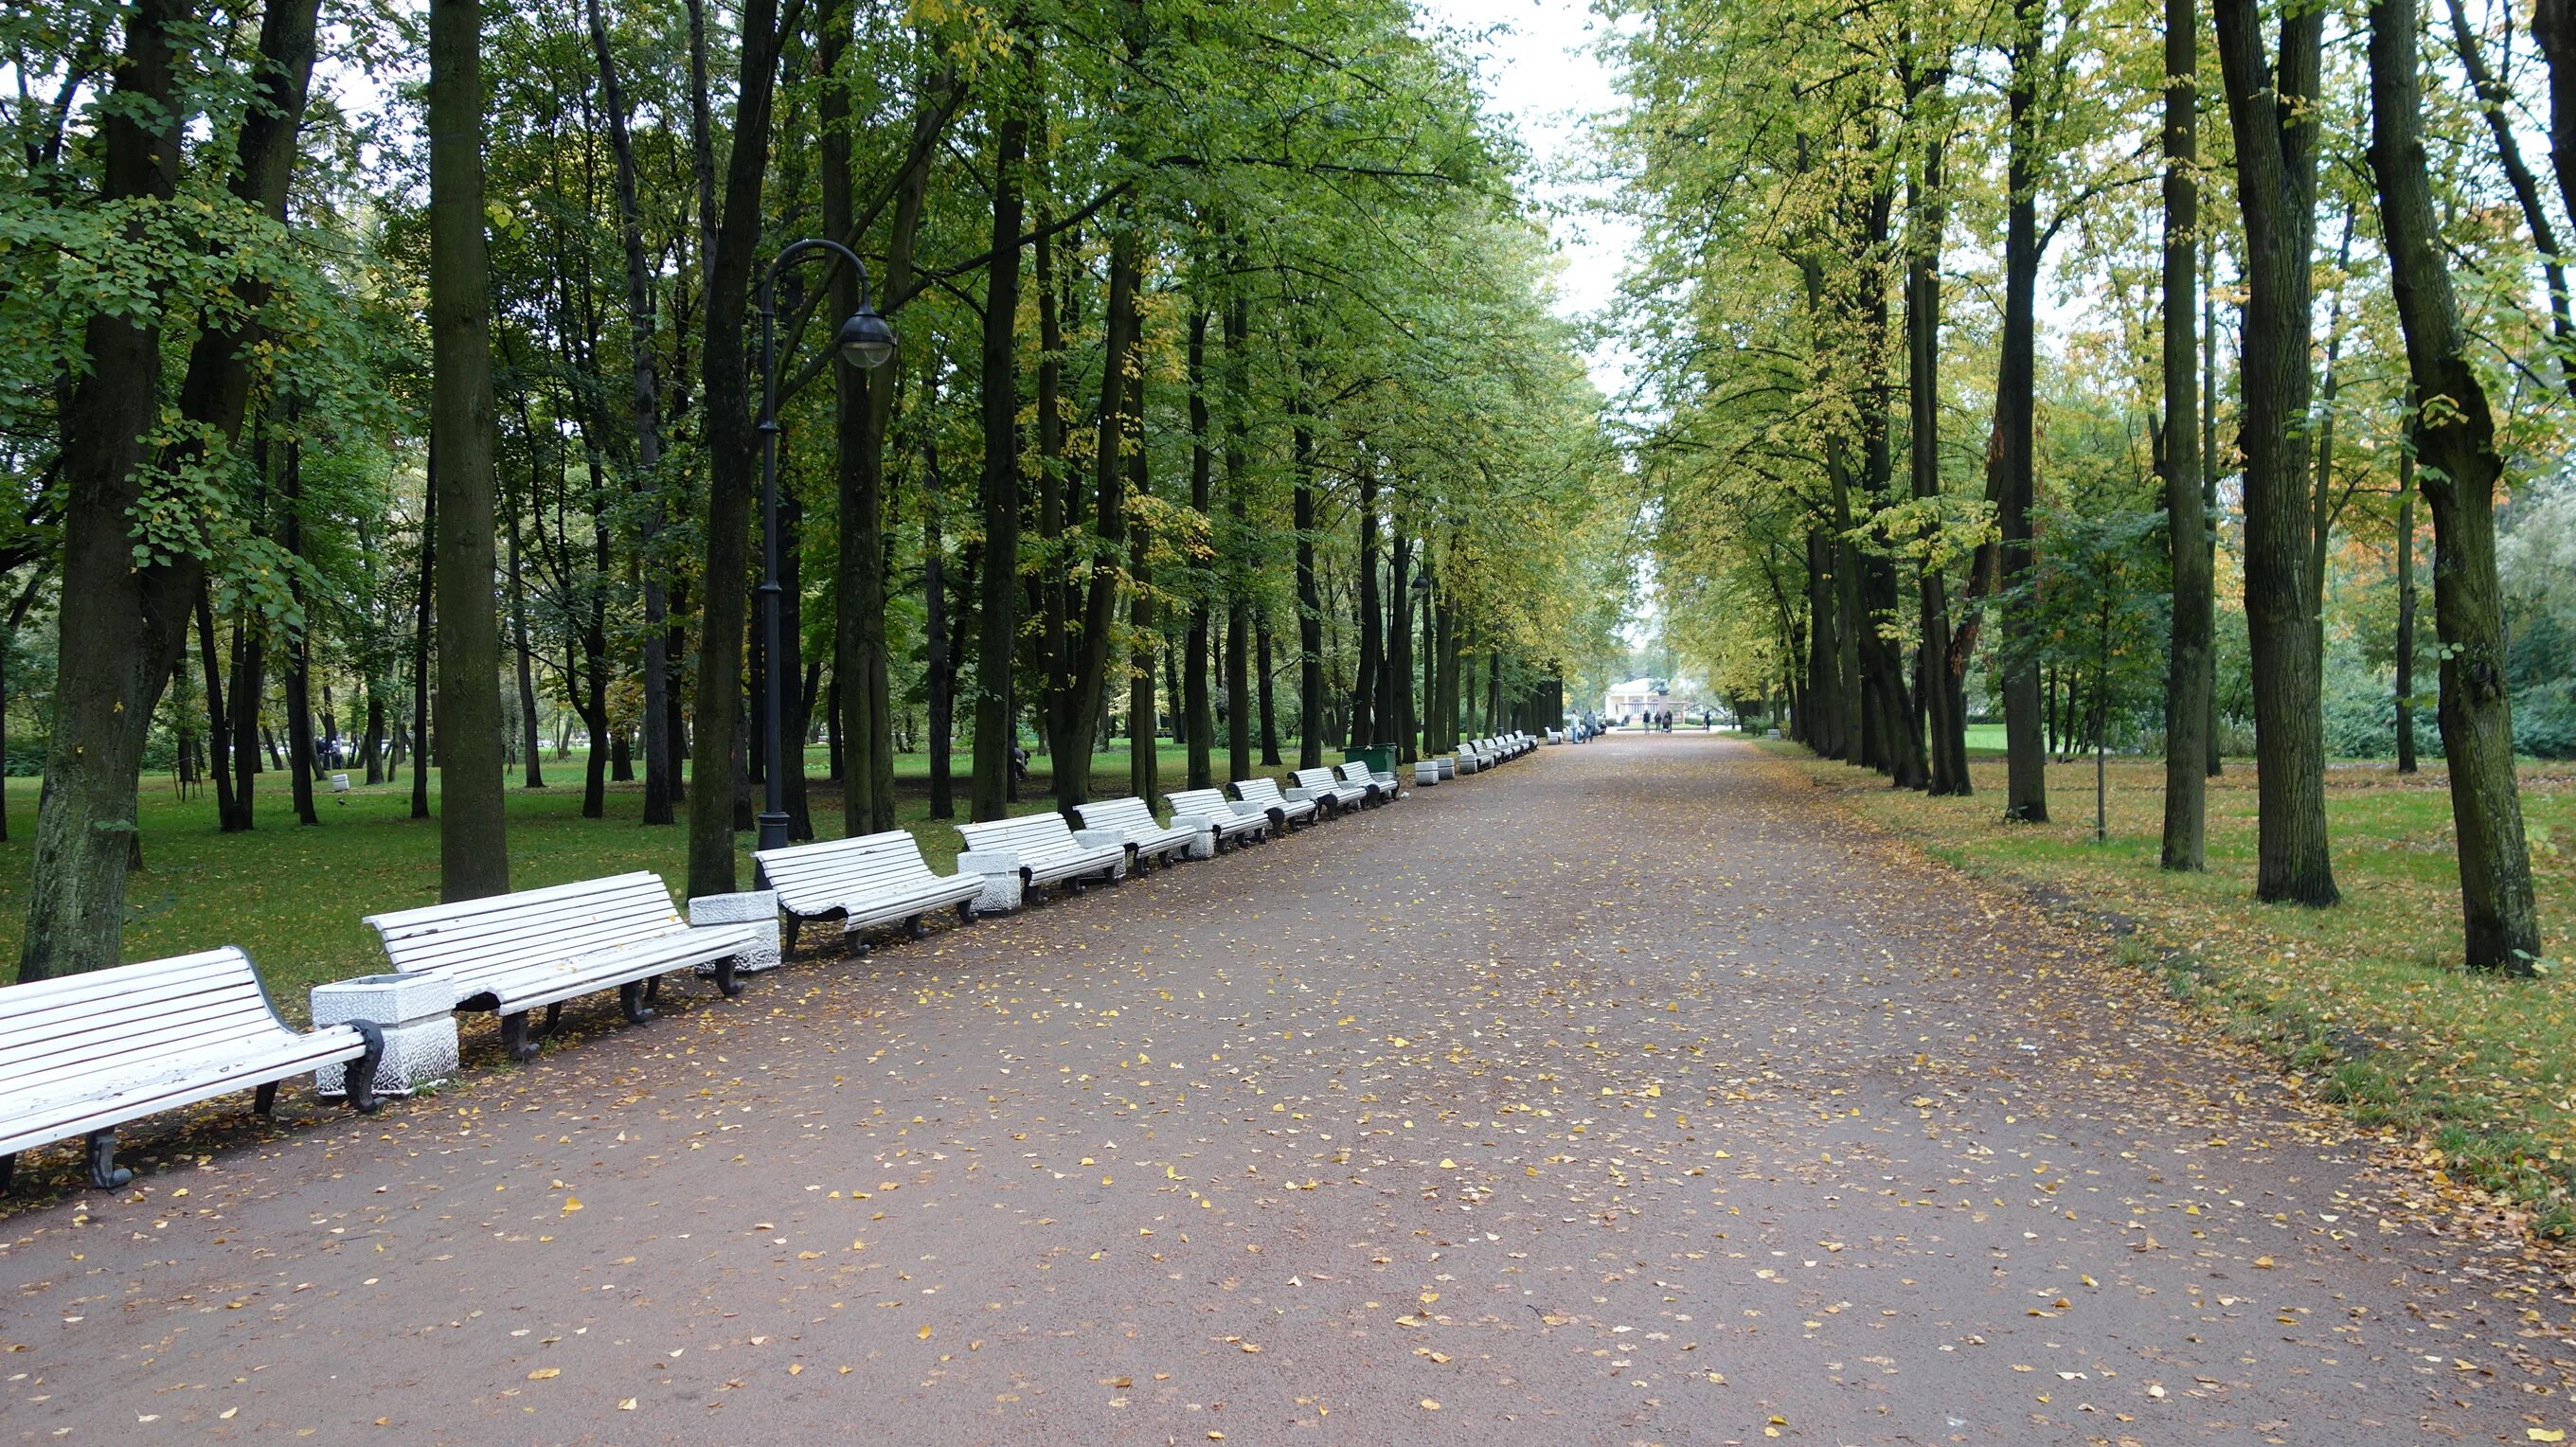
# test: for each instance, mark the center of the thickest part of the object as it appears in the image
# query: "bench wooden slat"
(513, 952)
(84, 1054)
(1213, 804)
(869, 879)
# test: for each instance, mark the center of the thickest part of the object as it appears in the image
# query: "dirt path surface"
(1627, 1094)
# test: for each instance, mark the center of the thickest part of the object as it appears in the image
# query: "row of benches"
(82, 1055)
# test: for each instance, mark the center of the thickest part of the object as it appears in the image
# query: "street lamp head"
(1421, 582)
(865, 341)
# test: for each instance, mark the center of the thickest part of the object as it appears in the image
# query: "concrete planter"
(418, 1017)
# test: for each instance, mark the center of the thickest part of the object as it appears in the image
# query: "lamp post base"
(773, 830)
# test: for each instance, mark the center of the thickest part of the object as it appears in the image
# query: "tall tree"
(2274, 116)
(732, 455)
(996, 731)
(661, 765)
(2011, 483)
(2451, 431)
(473, 846)
(117, 649)
(2187, 670)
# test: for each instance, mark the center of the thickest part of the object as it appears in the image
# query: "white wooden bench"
(873, 879)
(1211, 808)
(1131, 817)
(1284, 811)
(1036, 850)
(1381, 787)
(1556, 736)
(1471, 758)
(509, 953)
(1320, 784)
(83, 1054)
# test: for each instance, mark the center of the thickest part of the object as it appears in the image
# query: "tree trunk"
(2405, 611)
(474, 857)
(938, 667)
(2274, 118)
(1084, 704)
(2011, 481)
(1943, 689)
(661, 767)
(1365, 716)
(531, 733)
(1310, 603)
(1238, 583)
(1269, 708)
(1828, 732)
(1144, 713)
(1399, 643)
(110, 667)
(250, 681)
(733, 464)
(2187, 668)
(299, 653)
(423, 624)
(2209, 478)
(2460, 467)
(790, 664)
(219, 742)
(998, 644)
(1198, 726)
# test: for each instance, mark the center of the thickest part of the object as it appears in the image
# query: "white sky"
(1540, 75)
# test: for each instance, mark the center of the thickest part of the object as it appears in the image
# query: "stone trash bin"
(753, 906)
(417, 1014)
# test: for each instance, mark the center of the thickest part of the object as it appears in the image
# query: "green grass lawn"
(293, 896)
(2366, 1000)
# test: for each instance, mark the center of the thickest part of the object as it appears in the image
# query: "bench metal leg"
(917, 928)
(727, 981)
(514, 1037)
(653, 991)
(965, 911)
(8, 1171)
(554, 1015)
(360, 1077)
(104, 1172)
(263, 1101)
(630, 999)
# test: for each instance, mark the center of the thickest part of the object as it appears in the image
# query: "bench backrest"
(474, 938)
(1323, 779)
(1036, 838)
(1128, 815)
(1258, 791)
(823, 875)
(1201, 803)
(1357, 772)
(55, 1034)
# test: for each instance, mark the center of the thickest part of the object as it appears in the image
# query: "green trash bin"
(1379, 757)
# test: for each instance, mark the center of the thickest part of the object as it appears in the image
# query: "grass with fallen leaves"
(2368, 1000)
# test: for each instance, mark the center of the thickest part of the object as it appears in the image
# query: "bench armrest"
(1296, 793)
(1242, 806)
(1095, 838)
(989, 861)
(1195, 823)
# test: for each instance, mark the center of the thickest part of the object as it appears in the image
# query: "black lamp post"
(864, 341)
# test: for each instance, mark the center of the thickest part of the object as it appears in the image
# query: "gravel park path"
(1627, 1094)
